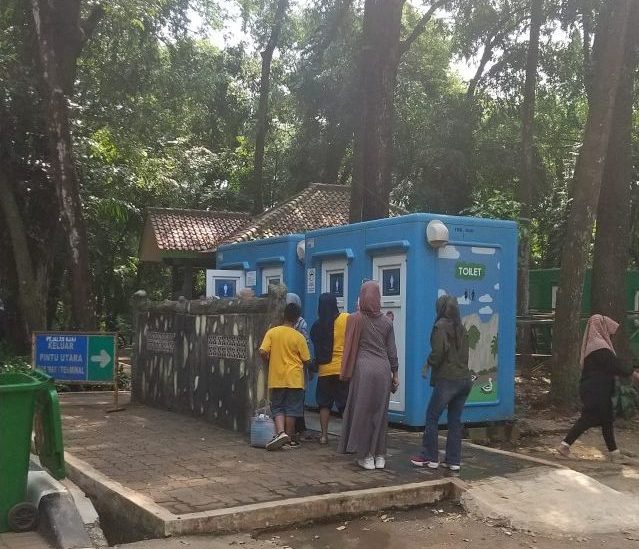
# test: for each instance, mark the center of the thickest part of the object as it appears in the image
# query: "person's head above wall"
(292, 312)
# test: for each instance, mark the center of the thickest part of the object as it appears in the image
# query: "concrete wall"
(201, 358)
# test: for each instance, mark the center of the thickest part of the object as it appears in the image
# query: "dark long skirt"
(365, 417)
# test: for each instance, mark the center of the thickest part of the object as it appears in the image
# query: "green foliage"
(473, 336)
(161, 123)
(123, 379)
(432, 126)
(625, 400)
(164, 116)
(494, 204)
(10, 362)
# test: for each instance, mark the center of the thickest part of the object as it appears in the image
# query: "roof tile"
(193, 230)
(319, 205)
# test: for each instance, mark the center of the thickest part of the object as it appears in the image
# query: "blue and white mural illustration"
(472, 275)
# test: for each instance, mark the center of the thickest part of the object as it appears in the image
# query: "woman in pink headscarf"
(370, 362)
(600, 365)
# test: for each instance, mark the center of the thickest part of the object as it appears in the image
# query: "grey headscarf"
(293, 298)
(449, 319)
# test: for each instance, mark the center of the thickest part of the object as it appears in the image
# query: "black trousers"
(594, 418)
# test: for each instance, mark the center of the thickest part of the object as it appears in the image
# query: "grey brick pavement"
(187, 465)
(27, 540)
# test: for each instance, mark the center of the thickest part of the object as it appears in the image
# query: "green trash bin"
(18, 393)
(47, 427)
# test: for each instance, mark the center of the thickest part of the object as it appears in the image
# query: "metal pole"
(116, 365)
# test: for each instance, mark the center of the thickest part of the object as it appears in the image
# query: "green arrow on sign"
(103, 358)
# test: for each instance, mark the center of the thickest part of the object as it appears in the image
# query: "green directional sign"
(101, 358)
(76, 357)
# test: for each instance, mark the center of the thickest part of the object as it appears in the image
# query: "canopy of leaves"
(163, 115)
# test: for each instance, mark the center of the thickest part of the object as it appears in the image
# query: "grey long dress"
(365, 421)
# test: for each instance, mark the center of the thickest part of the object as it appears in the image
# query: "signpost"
(78, 358)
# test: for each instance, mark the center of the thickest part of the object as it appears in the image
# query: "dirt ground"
(441, 527)
(542, 428)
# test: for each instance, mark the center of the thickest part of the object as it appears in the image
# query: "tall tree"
(380, 55)
(527, 178)
(608, 55)
(31, 283)
(28, 207)
(262, 109)
(61, 35)
(373, 146)
(612, 237)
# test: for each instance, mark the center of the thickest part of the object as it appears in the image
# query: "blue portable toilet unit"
(258, 263)
(470, 258)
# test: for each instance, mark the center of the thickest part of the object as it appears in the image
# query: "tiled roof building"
(187, 239)
(170, 232)
(317, 206)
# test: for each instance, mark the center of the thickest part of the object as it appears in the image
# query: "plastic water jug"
(262, 430)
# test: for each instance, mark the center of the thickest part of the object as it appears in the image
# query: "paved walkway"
(27, 540)
(187, 465)
(559, 501)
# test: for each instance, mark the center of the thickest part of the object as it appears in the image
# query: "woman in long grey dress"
(370, 362)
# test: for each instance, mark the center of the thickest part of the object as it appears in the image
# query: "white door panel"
(223, 284)
(272, 275)
(335, 281)
(390, 272)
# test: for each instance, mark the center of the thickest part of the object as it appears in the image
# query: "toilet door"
(223, 284)
(335, 281)
(272, 275)
(390, 273)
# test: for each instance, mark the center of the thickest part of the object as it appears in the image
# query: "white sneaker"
(564, 449)
(380, 462)
(451, 467)
(367, 463)
(616, 456)
(278, 441)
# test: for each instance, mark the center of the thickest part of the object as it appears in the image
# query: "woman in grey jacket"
(451, 382)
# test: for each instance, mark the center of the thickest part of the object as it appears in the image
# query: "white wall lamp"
(437, 234)
(301, 250)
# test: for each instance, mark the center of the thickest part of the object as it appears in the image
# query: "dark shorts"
(330, 390)
(287, 402)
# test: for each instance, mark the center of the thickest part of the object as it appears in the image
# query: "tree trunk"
(373, 146)
(338, 139)
(586, 25)
(60, 39)
(486, 56)
(262, 109)
(608, 56)
(32, 300)
(526, 181)
(612, 238)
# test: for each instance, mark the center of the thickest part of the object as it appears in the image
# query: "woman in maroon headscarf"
(370, 362)
(600, 365)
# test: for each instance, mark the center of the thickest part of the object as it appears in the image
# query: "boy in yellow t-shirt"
(285, 351)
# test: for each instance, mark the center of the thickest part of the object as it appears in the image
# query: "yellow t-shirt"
(334, 367)
(288, 351)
